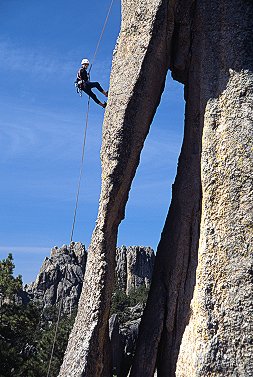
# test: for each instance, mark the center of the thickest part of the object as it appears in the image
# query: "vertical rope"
(78, 191)
(81, 171)
(101, 35)
(71, 239)
(57, 322)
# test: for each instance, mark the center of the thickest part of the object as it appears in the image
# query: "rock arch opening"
(150, 193)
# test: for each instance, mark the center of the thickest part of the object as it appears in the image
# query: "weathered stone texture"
(52, 282)
(208, 46)
(134, 267)
(222, 319)
(219, 338)
(123, 340)
(217, 70)
(126, 124)
(167, 309)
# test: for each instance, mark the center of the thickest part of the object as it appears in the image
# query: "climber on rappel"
(84, 84)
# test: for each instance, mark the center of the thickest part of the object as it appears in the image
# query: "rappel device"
(78, 84)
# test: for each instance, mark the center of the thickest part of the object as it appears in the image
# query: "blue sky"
(41, 131)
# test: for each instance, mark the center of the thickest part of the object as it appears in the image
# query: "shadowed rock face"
(213, 178)
(48, 287)
(131, 107)
(123, 339)
(208, 47)
(134, 267)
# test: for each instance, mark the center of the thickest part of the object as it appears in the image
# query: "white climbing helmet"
(85, 61)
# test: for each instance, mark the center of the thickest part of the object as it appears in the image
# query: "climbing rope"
(87, 120)
(81, 171)
(78, 190)
(101, 35)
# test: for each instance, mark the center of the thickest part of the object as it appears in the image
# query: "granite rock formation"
(134, 267)
(123, 338)
(49, 285)
(209, 224)
(198, 320)
(126, 124)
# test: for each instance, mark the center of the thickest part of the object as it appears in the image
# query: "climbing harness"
(78, 188)
(78, 84)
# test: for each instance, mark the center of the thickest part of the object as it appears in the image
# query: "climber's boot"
(103, 104)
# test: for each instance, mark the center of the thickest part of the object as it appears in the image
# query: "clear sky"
(41, 132)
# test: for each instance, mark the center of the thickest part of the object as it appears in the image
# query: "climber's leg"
(97, 86)
(87, 89)
(92, 95)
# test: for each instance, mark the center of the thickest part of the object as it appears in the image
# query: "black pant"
(88, 85)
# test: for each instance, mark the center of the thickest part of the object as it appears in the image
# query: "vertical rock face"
(208, 46)
(49, 286)
(134, 267)
(218, 139)
(218, 338)
(140, 63)
(123, 341)
(221, 322)
(167, 309)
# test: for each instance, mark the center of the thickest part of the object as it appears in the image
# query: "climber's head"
(85, 63)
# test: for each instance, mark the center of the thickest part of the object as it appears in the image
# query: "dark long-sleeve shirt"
(83, 74)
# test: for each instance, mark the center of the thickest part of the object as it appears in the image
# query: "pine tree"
(9, 285)
(18, 323)
(26, 336)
